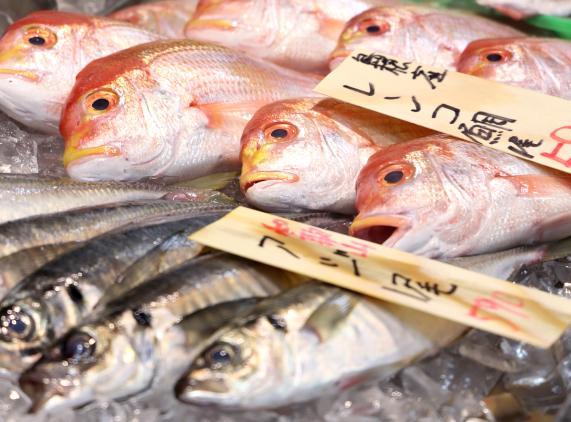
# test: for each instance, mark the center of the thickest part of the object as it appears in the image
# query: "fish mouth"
(72, 154)
(385, 230)
(35, 387)
(224, 24)
(250, 179)
(339, 54)
(23, 74)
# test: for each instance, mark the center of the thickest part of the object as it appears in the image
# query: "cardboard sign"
(523, 123)
(431, 286)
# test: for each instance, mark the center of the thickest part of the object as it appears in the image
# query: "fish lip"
(250, 179)
(22, 74)
(390, 228)
(72, 155)
(339, 54)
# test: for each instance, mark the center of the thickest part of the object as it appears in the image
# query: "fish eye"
(280, 132)
(16, 323)
(373, 27)
(220, 355)
(40, 37)
(496, 56)
(395, 174)
(78, 346)
(101, 101)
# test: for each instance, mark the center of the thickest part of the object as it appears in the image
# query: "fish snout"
(253, 177)
(385, 230)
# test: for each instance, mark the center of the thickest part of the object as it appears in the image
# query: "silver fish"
(26, 196)
(286, 350)
(62, 294)
(83, 225)
(142, 347)
(17, 266)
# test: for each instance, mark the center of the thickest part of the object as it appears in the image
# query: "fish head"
(38, 61)
(92, 361)
(372, 30)
(295, 157)
(503, 60)
(24, 326)
(234, 23)
(119, 122)
(402, 198)
(236, 366)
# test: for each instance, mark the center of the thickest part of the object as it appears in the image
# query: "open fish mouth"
(23, 74)
(250, 179)
(385, 230)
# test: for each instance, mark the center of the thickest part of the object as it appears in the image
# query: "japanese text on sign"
(523, 123)
(431, 286)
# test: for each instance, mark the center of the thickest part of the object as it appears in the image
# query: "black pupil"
(394, 176)
(37, 41)
(100, 104)
(279, 133)
(373, 29)
(18, 326)
(494, 57)
(77, 345)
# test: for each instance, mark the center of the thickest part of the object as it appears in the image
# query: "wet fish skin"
(35, 79)
(172, 109)
(19, 265)
(292, 33)
(521, 9)
(83, 225)
(314, 158)
(43, 307)
(25, 196)
(166, 17)
(142, 346)
(286, 350)
(539, 64)
(429, 36)
(442, 197)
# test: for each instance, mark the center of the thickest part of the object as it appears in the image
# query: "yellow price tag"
(523, 123)
(431, 286)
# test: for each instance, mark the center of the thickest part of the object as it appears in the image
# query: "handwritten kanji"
(279, 226)
(430, 76)
(520, 146)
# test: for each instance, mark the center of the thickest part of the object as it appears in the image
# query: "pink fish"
(539, 64)
(305, 154)
(428, 36)
(41, 54)
(166, 17)
(298, 34)
(169, 108)
(442, 197)
(521, 9)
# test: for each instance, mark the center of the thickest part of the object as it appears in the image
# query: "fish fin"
(558, 250)
(219, 115)
(327, 317)
(215, 181)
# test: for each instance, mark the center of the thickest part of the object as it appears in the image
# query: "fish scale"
(151, 352)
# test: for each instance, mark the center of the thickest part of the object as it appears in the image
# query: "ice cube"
(18, 150)
(13, 402)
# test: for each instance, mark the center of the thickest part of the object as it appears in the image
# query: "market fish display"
(41, 54)
(294, 33)
(24, 196)
(83, 225)
(540, 64)
(442, 197)
(429, 36)
(306, 154)
(166, 17)
(520, 9)
(130, 351)
(287, 349)
(169, 108)
(43, 307)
